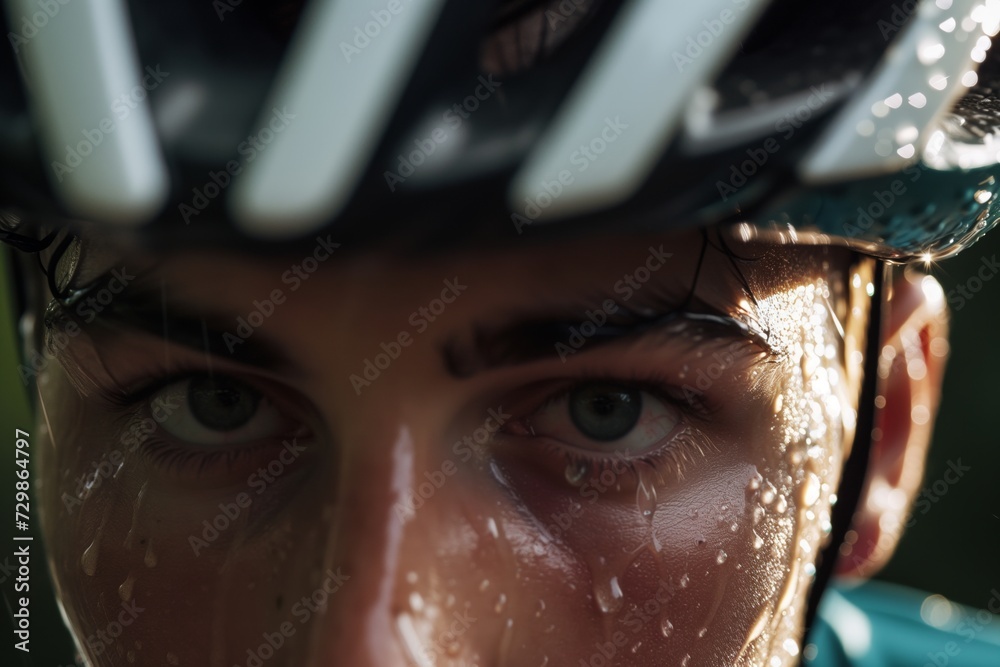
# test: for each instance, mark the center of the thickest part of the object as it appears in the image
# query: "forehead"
(719, 269)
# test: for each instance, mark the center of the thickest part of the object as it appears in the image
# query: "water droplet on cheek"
(768, 494)
(575, 473)
(89, 559)
(150, 558)
(609, 596)
(125, 590)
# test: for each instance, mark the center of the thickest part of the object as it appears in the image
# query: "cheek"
(695, 575)
(139, 565)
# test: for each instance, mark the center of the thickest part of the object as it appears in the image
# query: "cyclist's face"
(455, 462)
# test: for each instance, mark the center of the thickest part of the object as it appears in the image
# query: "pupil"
(605, 412)
(221, 404)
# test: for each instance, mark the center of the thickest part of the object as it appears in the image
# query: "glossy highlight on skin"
(696, 549)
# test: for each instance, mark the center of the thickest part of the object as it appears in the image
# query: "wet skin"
(369, 520)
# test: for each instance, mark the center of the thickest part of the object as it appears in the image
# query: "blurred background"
(951, 548)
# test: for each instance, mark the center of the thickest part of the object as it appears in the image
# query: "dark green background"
(952, 549)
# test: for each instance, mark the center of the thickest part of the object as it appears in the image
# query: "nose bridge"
(372, 543)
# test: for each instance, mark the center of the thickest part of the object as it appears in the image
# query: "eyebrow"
(539, 337)
(145, 308)
(530, 337)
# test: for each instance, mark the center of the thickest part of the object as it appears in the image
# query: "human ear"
(911, 368)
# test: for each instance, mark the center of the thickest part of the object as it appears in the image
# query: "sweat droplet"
(702, 632)
(767, 495)
(125, 590)
(609, 598)
(721, 557)
(501, 603)
(89, 558)
(150, 558)
(685, 580)
(666, 627)
(758, 541)
(810, 490)
(781, 505)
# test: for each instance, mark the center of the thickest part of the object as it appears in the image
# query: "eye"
(217, 411)
(606, 417)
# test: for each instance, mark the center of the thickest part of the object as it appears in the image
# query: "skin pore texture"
(445, 508)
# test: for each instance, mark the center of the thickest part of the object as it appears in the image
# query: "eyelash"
(160, 451)
(677, 450)
(177, 458)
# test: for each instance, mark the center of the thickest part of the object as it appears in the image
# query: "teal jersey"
(882, 625)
